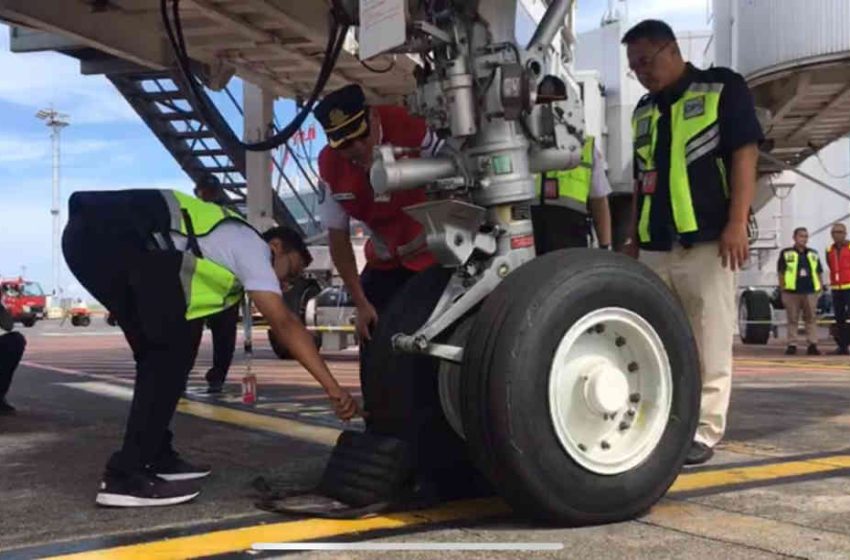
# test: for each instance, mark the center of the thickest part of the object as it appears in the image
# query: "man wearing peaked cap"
(396, 250)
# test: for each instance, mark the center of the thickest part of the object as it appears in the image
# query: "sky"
(107, 146)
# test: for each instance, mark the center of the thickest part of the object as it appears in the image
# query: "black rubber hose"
(336, 38)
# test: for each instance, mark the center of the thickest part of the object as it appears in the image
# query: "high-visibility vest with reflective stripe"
(209, 287)
(694, 137)
(838, 260)
(573, 184)
(792, 265)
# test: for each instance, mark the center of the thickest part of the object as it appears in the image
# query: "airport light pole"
(56, 121)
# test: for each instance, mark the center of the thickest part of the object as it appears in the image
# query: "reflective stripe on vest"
(208, 287)
(694, 134)
(791, 267)
(573, 184)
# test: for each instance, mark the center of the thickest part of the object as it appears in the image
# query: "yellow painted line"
(245, 419)
(804, 366)
(741, 475)
(342, 328)
(234, 540)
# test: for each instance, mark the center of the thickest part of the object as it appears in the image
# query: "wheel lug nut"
(633, 367)
(620, 341)
(624, 425)
(634, 397)
(605, 445)
(582, 447)
(600, 328)
(630, 412)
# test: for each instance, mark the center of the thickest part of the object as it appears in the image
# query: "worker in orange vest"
(838, 260)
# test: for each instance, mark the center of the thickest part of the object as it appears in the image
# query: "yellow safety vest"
(209, 287)
(792, 264)
(573, 184)
(694, 135)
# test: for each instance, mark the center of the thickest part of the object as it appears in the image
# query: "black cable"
(827, 171)
(336, 38)
(284, 145)
(335, 41)
(378, 70)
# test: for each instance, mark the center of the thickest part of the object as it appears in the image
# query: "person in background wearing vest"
(800, 281)
(560, 218)
(222, 325)
(696, 143)
(162, 262)
(838, 260)
(396, 249)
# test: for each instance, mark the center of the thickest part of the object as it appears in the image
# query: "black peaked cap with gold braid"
(343, 115)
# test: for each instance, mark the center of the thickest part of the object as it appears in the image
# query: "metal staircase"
(163, 104)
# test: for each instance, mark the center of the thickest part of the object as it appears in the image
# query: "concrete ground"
(778, 487)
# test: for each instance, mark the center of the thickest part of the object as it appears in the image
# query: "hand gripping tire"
(565, 339)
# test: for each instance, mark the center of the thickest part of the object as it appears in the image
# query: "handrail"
(281, 173)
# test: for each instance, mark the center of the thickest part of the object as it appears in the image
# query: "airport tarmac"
(777, 488)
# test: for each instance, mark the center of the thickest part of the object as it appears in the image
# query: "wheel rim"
(610, 390)
(743, 318)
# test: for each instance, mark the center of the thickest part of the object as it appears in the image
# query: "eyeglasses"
(646, 61)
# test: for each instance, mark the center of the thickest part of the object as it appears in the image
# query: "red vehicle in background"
(24, 299)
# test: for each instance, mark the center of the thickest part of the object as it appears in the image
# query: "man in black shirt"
(801, 280)
(695, 152)
(12, 346)
(222, 325)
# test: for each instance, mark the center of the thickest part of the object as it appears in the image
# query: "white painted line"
(525, 547)
(73, 334)
(52, 368)
(103, 389)
(322, 435)
(110, 378)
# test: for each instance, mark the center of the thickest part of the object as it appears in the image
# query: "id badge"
(550, 189)
(385, 197)
(804, 273)
(648, 181)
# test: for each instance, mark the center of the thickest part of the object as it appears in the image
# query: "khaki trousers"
(795, 304)
(706, 290)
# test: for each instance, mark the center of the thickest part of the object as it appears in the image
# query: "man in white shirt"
(161, 262)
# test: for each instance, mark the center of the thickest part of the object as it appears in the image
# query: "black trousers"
(11, 350)
(380, 286)
(142, 290)
(841, 306)
(223, 328)
(558, 227)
